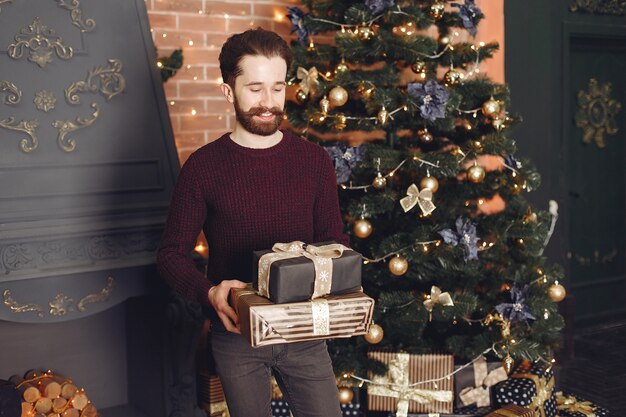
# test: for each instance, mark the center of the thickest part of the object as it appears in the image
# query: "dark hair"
(251, 42)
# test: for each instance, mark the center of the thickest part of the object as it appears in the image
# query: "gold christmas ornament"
(491, 107)
(429, 182)
(557, 292)
(374, 334)
(425, 136)
(362, 228)
(452, 77)
(338, 96)
(317, 118)
(419, 67)
(383, 116)
(345, 395)
(301, 96)
(476, 174)
(379, 182)
(436, 10)
(325, 105)
(341, 68)
(508, 363)
(341, 121)
(398, 265)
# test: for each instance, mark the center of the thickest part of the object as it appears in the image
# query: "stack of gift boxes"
(308, 292)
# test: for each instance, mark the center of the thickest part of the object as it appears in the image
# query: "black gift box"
(567, 409)
(465, 378)
(521, 390)
(280, 408)
(292, 280)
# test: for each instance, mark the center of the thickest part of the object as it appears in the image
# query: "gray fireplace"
(87, 167)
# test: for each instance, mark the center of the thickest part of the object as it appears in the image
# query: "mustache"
(257, 111)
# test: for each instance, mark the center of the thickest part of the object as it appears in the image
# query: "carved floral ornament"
(613, 7)
(596, 113)
(61, 304)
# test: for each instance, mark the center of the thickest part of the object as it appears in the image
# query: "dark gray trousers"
(303, 371)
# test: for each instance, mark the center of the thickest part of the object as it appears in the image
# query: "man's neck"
(249, 140)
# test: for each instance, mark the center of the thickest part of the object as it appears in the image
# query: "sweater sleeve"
(186, 216)
(327, 220)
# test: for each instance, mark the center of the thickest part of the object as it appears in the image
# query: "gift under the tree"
(280, 408)
(569, 405)
(295, 271)
(264, 323)
(473, 384)
(413, 383)
(211, 395)
(10, 401)
(530, 385)
(512, 410)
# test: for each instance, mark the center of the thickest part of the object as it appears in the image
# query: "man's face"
(259, 96)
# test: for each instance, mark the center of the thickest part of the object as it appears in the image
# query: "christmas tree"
(434, 200)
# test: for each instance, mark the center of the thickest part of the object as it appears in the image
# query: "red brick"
(180, 6)
(270, 11)
(239, 25)
(202, 23)
(190, 140)
(171, 89)
(216, 40)
(183, 154)
(177, 39)
(218, 105)
(220, 8)
(185, 106)
(199, 89)
(202, 122)
(212, 135)
(196, 56)
(162, 21)
(195, 73)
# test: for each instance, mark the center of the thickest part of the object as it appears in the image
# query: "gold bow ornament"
(570, 404)
(219, 409)
(484, 380)
(423, 198)
(322, 257)
(396, 385)
(309, 83)
(437, 297)
(544, 389)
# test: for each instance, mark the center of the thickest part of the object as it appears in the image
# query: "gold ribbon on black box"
(321, 256)
(570, 404)
(396, 384)
(219, 409)
(484, 380)
(544, 389)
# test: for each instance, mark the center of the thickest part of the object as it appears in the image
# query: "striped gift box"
(264, 323)
(210, 388)
(384, 393)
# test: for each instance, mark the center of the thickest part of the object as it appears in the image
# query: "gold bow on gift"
(396, 384)
(309, 79)
(572, 405)
(483, 380)
(321, 256)
(437, 297)
(415, 196)
(219, 409)
(544, 390)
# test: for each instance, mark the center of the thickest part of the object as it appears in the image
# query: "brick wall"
(198, 111)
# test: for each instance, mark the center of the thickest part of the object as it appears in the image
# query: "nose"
(266, 98)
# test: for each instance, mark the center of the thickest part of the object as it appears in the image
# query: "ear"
(228, 92)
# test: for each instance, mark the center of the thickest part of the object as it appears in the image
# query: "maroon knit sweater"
(246, 199)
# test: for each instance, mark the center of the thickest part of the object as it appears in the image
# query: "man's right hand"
(218, 298)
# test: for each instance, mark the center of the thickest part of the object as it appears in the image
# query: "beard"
(259, 127)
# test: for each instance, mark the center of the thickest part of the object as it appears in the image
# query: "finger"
(232, 315)
(228, 324)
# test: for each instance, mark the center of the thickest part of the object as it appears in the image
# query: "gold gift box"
(385, 393)
(263, 323)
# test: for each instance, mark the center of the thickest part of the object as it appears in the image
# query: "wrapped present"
(472, 384)
(280, 408)
(401, 389)
(264, 323)
(473, 411)
(512, 410)
(569, 405)
(295, 271)
(530, 385)
(211, 395)
(10, 400)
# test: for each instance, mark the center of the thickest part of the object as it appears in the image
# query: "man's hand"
(218, 298)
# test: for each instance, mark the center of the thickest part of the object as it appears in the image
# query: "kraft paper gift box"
(473, 384)
(264, 323)
(295, 271)
(399, 389)
(211, 395)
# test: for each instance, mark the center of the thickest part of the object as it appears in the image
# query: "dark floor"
(597, 371)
